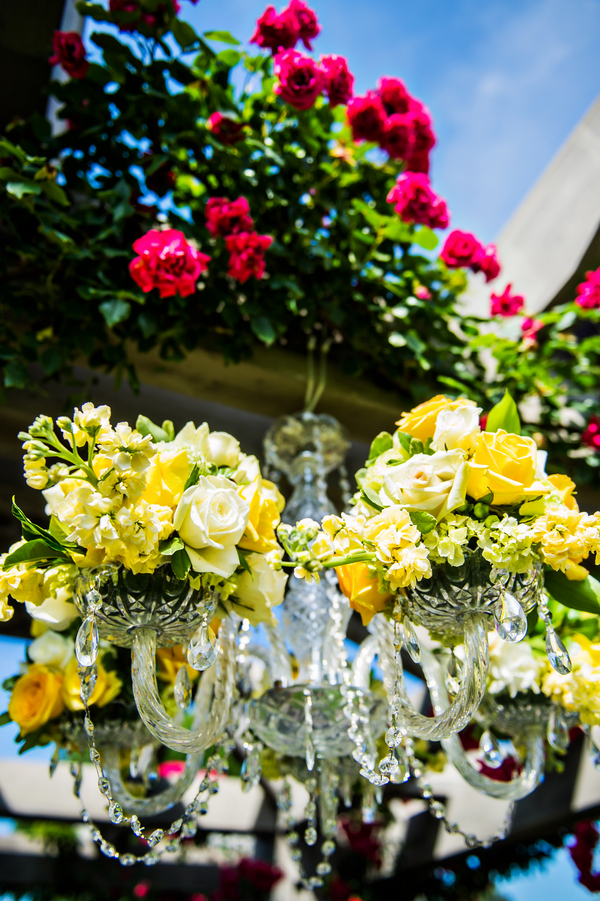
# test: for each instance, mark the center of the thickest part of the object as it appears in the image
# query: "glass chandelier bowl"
(147, 611)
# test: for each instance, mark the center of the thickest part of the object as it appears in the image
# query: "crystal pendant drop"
(201, 651)
(594, 752)
(183, 689)
(511, 622)
(492, 755)
(453, 675)
(411, 641)
(402, 774)
(86, 643)
(310, 754)
(557, 653)
(558, 731)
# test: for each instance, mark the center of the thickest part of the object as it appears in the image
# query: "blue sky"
(506, 81)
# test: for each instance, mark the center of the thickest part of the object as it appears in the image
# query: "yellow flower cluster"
(565, 537)
(580, 689)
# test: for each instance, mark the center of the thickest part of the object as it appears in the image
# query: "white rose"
(211, 518)
(248, 469)
(435, 484)
(54, 611)
(257, 592)
(194, 440)
(223, 449)
(513, 667)
(51, 649)
(457, 429)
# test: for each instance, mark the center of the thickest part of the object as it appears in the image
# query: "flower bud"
(481, 511)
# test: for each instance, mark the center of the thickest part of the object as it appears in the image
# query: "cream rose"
(211, 517)
(55, 611)
(194, 440)
(51, 649)
(257, 592)
(435, 484)
(223, 449)
(457, 429)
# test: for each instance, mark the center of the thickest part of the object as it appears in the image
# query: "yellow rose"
(166, 477)
(420, 421)
(108, 685)
(36, 698)
(263, 519)
(170, 661)
(362, 590)
(564, 489)
(506, 465)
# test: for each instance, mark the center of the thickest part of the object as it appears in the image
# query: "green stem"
(310, 374)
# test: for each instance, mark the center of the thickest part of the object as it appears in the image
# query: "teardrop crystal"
(411, 641)
(511, 622)
(453, 675)
(388, 765)
(201, 651)
(492, 755)
(402, 774)
(183, 689)
(310, 754)
(558, 731)
(86, 643)
(557, 653)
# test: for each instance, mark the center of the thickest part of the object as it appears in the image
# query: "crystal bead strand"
(284, 802)
(557, 652)
(184, 827)
(356, 711)
(438, 809)
(394, 765)
(321, 475)
(593, 750)
(251, 769)
(309, 748)
(345, 489)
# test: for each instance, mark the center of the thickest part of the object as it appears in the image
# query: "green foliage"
(583, 595)
(504, 415)
(342, 265)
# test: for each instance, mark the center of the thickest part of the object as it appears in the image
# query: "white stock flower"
(223, 449)
(247, 470)
(194, 440)
(434, 483)
(456, 429)
(257, 592)
(211, 517)
(54, 611)
(513, 667)
(51, 649)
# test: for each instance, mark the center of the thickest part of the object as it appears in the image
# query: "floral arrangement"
(441, 487)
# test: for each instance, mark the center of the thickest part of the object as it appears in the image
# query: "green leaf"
(424, 522)
(145, 426)
(399, 232)
(371, 498)
(16, 374)
(229, 58)
(55, 192)
(193, 477)
(404, 438)
(583, 595)
(169, 428)
(5, 718)
(181, 563)
(24, 186)
(426, 238)
(243, 562)
(222, 36)
(379, 444)
(184, 34)
(31, 531)
(36, 549)
(115, 311)
(170, 545)
(396, 339)
(377, 220)
(504, 415)
(263, 329)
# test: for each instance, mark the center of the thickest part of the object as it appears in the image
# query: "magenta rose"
(424, 137)
(506, 304)
(591, 435)
(133, 14)
(300, 79)
(488, 263)
(460, 249)
(167, 261)
(415, 201)
(308, 25)
(68, 51)
(588, 292)
(339, 81)
(276, 31)
(225, 130)
(227, 217)
(247, 255)
(366, 117)
(399, 136)
(529, 328)
(394, 96)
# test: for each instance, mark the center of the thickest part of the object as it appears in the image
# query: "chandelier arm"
(155, 804)
(445, 722)
(150, 707)
(280, 661)
(361, 667)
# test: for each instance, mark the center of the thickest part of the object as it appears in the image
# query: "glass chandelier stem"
(446, 721)
(214, 716)
(155, 804)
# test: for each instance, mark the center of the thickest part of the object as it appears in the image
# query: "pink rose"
(366, 117)
(588, 292)
(415, 202)
(506, 304)
(247, 255)
(424, 137)
(300, 79)
(530, 328)
(394, 96)
(488, 263)
(460, 249)
(68, 51)
(131, 14)
(276, 31)
(308, 25)
(227, 217)
(339, 81)
(225, 130)
(399, 136)
(591, 436)
(423, 293)
(167, 261)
